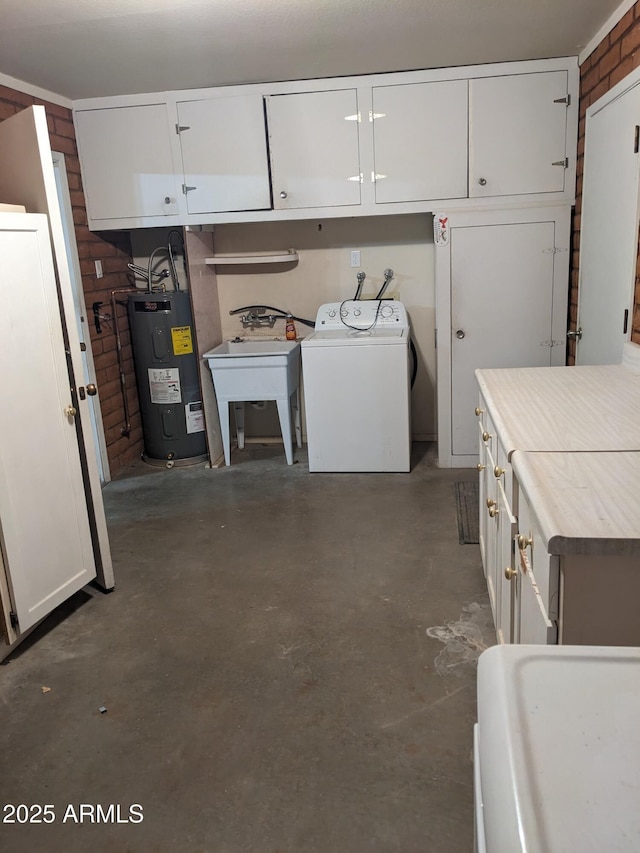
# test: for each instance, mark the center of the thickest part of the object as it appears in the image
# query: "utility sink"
(256, 369)
(253, 347)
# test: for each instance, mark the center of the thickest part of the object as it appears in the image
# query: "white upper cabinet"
(420, 141)
(517, 134)
(224, 154)
(313, 140)
(125, 156)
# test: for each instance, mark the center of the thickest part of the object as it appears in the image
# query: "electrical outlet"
(355, 258)
(98, 269)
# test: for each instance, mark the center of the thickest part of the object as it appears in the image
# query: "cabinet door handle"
(498, 472)
(510, 573)
(486, 436)
(493, 511)
(283, 194)
(480, 466)
(482, 182)
(524, 541)
(490, 503)
(478, 411)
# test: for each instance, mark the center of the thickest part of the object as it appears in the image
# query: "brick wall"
(114, 250)
(615, 57)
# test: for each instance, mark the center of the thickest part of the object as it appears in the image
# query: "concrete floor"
(287, 663)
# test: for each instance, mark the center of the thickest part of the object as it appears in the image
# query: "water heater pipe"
(126, 429)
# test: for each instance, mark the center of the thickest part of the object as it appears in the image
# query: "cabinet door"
(420, 141)
(126, 162)
(224, 154)
(501, 310)
(517, 134)
(314, 149)
(506, 573)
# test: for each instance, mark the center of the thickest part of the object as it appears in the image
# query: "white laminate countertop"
(585, 503)
(564, 408)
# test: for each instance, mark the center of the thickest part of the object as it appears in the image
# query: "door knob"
(91, 389)
(70, 411)
(460, 334)
(577, 334)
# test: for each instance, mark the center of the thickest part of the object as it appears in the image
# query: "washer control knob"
(344, 312)
(333, 312)
(386, 311)
(357, 312)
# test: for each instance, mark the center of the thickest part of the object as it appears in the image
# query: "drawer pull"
(479, 411)
(524, 541)
(493, 511)
(498, 471)
(480, 466)
(486, 436)
(510, 573)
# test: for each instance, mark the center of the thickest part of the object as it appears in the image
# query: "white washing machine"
(356, 376)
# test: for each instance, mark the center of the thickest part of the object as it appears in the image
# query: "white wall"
(324, 274)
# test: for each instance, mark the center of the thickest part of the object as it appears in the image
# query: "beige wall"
(324, 274)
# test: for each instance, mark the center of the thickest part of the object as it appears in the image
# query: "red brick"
(619, 73)
(622, 26)
(631, 41)
(609, 61)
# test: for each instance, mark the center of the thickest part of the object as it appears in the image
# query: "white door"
(88, 368)
(27, 177)
(314, 149)
(127, 167)
(501, 309)
(609, 230)
(46, 538)
(224, 154)
(420, 141)
(517, 130)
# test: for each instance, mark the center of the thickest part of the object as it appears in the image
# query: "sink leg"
(238, 408)
(284, 413)
(295, 400)
(223, 414)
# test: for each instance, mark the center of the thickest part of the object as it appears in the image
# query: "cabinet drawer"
(534, 623)
(546, 568)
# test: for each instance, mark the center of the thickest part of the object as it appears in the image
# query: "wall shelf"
(252, 258)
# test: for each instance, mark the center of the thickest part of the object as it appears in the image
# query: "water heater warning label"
(182, 341)
(164, 385)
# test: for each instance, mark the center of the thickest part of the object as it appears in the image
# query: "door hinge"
(551, 343)
(186, 189)
(636, 139)
(625, 324)
(13, 618)
(564, 163)
(181, 127)
(566, 100)
(553, 251)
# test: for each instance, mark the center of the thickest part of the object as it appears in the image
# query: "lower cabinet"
(560, 542)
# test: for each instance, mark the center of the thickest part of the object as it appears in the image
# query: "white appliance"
(355, 369)
(557, 750)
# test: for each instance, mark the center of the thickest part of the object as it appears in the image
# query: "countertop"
(584, 503)
(564, 408)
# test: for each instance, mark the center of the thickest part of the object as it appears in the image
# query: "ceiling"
(86, 48)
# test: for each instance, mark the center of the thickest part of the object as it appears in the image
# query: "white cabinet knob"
(482, 182)
(283, 194)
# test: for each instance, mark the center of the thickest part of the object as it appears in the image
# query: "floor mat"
(468, 510)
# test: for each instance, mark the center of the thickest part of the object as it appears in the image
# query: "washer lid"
(559, 746)
(352, 337)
